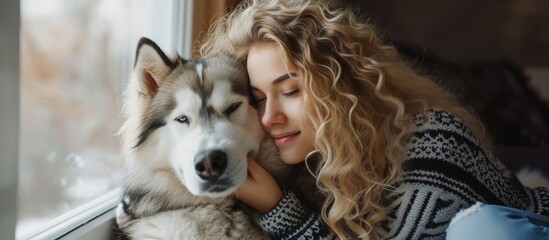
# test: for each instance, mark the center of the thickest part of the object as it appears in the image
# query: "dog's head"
(192, 117)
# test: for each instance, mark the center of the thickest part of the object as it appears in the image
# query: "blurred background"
(76, 57)
(466, 30)
(492, 54)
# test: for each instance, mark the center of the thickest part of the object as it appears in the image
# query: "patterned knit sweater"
(446, 169)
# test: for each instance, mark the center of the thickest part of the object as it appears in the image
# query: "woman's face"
(279, 102)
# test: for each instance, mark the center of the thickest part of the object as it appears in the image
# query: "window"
(75, 59)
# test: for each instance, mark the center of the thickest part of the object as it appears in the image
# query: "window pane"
(76, 57)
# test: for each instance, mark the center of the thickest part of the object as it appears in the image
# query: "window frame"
(79, 222)
(9, 117)
(93, 220)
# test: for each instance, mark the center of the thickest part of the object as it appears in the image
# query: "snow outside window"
(76, 57)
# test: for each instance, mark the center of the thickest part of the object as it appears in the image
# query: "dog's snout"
(209, 165)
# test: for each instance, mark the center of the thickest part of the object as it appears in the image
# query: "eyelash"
(256, 103)
(291, 92)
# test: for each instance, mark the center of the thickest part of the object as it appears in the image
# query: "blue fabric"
(487, 222)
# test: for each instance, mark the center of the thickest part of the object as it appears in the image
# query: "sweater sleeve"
(447, 169)
(290, 220)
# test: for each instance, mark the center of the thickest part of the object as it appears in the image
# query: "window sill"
(93, 220)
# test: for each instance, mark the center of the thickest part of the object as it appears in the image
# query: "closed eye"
(232, 108)
(257, 101)
(290, 93)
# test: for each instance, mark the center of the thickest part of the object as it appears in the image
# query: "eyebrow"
(280, 79)
(283, 78)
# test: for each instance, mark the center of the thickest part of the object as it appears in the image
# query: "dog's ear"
(151, 67)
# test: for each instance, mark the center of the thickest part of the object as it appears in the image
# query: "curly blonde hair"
(359, 95)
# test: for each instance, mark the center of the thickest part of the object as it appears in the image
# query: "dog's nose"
(209, 165)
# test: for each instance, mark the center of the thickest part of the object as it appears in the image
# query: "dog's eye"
(182, 119)
(232, 108)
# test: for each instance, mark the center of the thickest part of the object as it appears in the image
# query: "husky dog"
(190, 126)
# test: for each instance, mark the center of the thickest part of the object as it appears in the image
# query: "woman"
(394, 155)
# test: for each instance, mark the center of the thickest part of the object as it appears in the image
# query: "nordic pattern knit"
(446, 169)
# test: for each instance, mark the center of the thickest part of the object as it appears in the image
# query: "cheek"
(177, 131)
(299, 118)
(295, 113)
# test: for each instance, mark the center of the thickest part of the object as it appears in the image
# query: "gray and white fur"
(190, 125)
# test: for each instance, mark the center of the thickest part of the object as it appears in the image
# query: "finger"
(255, 169)
(252, 163)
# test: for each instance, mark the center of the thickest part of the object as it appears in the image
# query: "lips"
(281, 139)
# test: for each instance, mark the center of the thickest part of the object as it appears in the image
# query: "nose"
(209, 165)
(271, 114)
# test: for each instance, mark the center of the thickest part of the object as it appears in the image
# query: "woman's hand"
(260, 191)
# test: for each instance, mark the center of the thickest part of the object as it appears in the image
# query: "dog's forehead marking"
(207, 113)
(199, 70)
(203, 87)
(218, 82)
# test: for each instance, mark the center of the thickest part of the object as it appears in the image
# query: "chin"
(290, 158)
